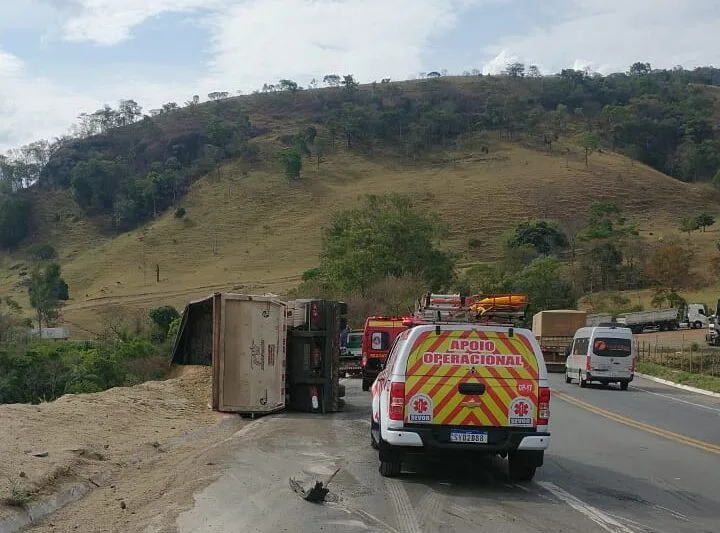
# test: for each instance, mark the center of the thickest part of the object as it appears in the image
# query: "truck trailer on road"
(694, 316)
(554, 331)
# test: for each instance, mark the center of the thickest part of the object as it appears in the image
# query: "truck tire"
(697, 324)
(366, 383)
(390, 468)
(374, 427)
(582, 382)
(519, 469)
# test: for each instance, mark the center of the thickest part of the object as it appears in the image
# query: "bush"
(313, 273)
(44, 371)
(41, 252)
(163, 316)
(180, 212)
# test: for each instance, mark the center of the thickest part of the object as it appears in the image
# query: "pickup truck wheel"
(624, 385)
(519, 469)
(366, 384)
(390, 468)
(568, 379)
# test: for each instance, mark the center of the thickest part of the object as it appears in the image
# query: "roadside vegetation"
(132, 350)
(701, 381)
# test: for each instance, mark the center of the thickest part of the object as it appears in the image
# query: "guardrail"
(694, 359)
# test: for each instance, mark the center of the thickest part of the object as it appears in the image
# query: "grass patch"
(17, 496)
(701, 381)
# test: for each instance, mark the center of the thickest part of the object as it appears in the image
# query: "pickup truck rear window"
(612, 347)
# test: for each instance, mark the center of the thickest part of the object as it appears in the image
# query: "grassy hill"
(247, 227)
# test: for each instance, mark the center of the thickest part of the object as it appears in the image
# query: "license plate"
(480, 437)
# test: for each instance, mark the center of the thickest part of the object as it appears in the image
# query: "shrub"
(162, 317)
(41, 252)
(180, 212)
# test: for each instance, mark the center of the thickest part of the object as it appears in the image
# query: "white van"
(602, 354)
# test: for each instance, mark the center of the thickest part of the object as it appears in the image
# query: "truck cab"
(378, 336)
(697, 316)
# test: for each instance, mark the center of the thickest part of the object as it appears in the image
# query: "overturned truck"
(266, 355)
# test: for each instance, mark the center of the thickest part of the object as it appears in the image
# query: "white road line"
(701, 406)
(605, 521)
(407, 522)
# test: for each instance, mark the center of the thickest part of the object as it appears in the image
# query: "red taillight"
(363, 361)
(543, 414)
(314, 314)
(587, 363)
(397, 401)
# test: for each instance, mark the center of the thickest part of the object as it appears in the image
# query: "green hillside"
(484, 153)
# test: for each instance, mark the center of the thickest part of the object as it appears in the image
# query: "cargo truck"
(694, 316)
(266, 355)
(554, 331)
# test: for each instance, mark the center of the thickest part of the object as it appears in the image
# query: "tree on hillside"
(332, 80)
(605, 222)
(292, 159)
(543, 282)
(288, 85)
(546, 237)
(350, 86)
(47, 292)
(95, 184)
(384, 236)
(704, 220)
(323, 145)
(218, 95)
(669, 266)
(640, 69)
(590, 143)
(15, 219)
(515, 70)
(689, 224)
(534, 72)
(128, 112)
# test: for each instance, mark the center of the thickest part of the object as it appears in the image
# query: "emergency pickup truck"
(469, 387)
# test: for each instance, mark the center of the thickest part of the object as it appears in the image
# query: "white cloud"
(258, 41)
(610, 35)
(255, 41)
(34, 108)
(108, 22)
(262, 40)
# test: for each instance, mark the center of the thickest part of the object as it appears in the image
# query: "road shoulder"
(676, 385)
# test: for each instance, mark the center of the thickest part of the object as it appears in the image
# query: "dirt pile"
(51, 445)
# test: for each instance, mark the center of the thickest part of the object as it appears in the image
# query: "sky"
(60, 58)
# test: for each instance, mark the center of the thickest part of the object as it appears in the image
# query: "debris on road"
(317, 493)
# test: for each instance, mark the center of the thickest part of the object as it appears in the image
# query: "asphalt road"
(617, 463)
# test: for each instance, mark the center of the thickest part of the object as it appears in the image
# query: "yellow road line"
(682, 439)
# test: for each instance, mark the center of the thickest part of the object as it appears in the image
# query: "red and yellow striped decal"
(437, 380)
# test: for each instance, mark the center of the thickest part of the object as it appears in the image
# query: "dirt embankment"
(134, 444)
